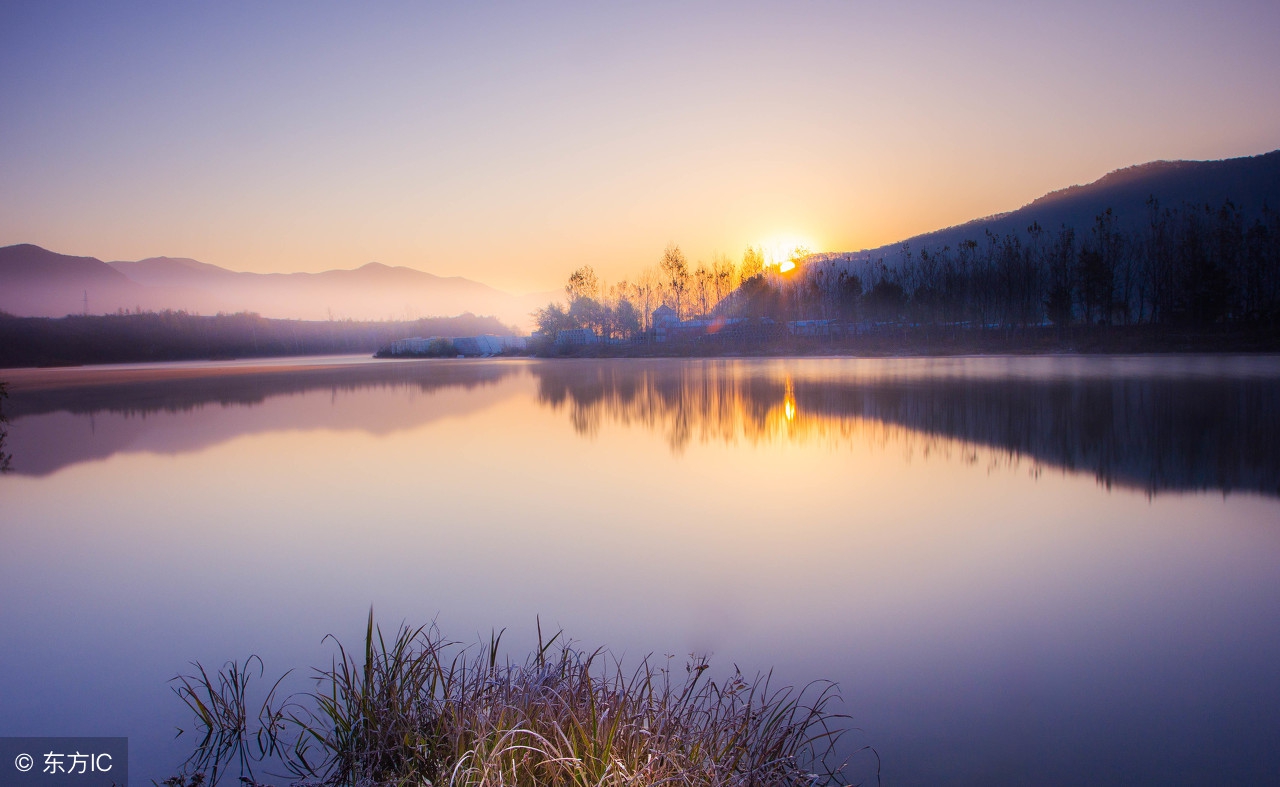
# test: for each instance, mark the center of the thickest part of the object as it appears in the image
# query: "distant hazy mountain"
(1250, 183)
(373, 291)
(40, 283)
(37, 282)
(171, 271)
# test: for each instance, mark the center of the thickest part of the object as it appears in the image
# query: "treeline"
(625, 310)
(1188, 266)
(176, 335)
(1194, 265)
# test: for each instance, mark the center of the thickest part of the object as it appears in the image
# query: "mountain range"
(36, 282)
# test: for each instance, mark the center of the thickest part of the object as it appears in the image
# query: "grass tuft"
(417, 709)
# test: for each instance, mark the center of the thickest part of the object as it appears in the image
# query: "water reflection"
(1155, 424)
(64, 417)
(985, 627)
(1152, 424)
(6, 460)
(177, 388)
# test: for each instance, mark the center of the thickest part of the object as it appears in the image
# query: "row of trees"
(172, 336)
(1191, 265)
(625, 309)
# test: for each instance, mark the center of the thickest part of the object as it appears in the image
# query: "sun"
(783, 251)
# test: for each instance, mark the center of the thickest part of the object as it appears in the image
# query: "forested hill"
(1251, 183)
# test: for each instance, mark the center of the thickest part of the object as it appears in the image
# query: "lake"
(1039, 570)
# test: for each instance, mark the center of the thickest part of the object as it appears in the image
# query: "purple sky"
(512, 143)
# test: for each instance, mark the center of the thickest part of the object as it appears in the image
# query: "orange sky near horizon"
(511, 145)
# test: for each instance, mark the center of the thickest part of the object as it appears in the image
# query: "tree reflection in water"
(6, 460)
(1151, 423)
(1139, 425)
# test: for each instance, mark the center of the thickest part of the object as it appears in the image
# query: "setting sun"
(783, 251)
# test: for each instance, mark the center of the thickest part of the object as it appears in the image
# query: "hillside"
(40, 283)
(1251, 183)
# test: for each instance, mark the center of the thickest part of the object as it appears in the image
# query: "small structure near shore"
(440, 347)
(576, 337)
(667, 327)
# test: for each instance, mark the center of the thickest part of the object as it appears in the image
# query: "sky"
(512, 143)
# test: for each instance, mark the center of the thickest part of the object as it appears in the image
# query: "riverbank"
(147, 338)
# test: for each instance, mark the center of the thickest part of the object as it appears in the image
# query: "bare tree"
(752, 263)
(703, 289)
(725, 274)
(583, 283)
(675, 274)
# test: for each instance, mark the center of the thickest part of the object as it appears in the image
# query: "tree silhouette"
(675, 272)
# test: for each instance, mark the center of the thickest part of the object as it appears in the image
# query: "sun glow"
(785, 251)
(789, 397)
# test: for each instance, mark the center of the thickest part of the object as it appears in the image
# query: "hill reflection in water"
(1152, 423)
(67, 416)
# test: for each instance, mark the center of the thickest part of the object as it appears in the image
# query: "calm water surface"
(1032, 570)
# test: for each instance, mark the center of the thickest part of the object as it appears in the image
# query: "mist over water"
(1045, 570)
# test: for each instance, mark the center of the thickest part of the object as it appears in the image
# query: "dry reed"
(417, 709)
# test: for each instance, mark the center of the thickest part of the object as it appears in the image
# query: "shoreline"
(887, 342)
